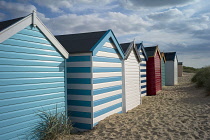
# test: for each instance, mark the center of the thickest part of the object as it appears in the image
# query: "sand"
(179, 112)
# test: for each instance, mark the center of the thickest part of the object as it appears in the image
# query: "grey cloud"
(157, 3)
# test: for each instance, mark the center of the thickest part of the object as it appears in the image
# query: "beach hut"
(153, 70)
(132, 96)
(171, 68)
(163, 72)
(94, 70)
(32, 75)
(180, 69)
(143, 69)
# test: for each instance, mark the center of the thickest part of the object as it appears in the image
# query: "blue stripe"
(145, 91)
(31, 33)
(106, 59)
(79, 80)
(143, 59)
(28, 99)
(16, 94)
(78, 58)
(13, 55)
(143, 64)
(18, 49)
(108, 99)
(144, 75)
(108, 109)
(12, 88)
(143, 81)
(78, 69)
(29, 38)
(143, 86)
(107, 79)
(5, 68)
(78, 92)
(143, 70)
(120, 112)
(106, 69)
(30, 27)
(111, 50)
(107, 89)
(4, 82)
(21, 62)
(23, 106)
(82, 125)
(79, 114)
(24, 44)
(79, 103)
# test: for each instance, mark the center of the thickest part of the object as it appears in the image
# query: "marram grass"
(53, 126)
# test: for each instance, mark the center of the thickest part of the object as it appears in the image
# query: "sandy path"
(179, 112)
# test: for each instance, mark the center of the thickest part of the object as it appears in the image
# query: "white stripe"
(106, 64)
(143, 89)
(143, 62)
(107, 54)
(99, 118)
(106, 74)
(79, 64)
(106, 94)
(107, 84)
(107, 44)
(143, 73)
(142, 95)
(81, 120)
(79, 75)
(79, 86)
(108, 104)
(143, 78)
(80, 97)
(79, 108)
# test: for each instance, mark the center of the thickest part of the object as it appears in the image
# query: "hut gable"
(153, 70)
(94, 70)
(171, 67)
(143, 68)
(132, 96)
(32, 75)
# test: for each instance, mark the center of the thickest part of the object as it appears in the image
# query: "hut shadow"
(61, 66)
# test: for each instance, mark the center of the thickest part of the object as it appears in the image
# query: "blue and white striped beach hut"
(143, 69)
(32, 75)
(94, 70)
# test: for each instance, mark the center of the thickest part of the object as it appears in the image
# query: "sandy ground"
(179, 112)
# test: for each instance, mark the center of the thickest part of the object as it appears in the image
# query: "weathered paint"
(31, 79)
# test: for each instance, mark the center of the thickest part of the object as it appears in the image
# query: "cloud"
(14, 9)
(155, 3)
(120, 23)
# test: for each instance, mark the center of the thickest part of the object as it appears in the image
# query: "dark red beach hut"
(153, 70)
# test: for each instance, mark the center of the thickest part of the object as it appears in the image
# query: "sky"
(182, 26)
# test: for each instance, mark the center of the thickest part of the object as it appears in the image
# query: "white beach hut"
(171, 67)
(132, 96)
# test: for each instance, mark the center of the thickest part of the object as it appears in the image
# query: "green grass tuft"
(53, 126)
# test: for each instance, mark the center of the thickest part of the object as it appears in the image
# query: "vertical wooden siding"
(79, 80)
(143, 75)
(163, 72)
(169, 66)
(107, 83)
(151, 86)
(31, 79)
(158, 72)
(132, 82)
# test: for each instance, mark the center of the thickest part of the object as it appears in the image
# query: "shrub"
(52, 126)
(189, 69)
(202, 78)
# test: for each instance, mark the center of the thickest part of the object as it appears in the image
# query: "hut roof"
(80, 43)
(141, 46)
(5, 24)
(170, 56)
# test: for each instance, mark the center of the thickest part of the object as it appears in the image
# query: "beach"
(180, 112)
